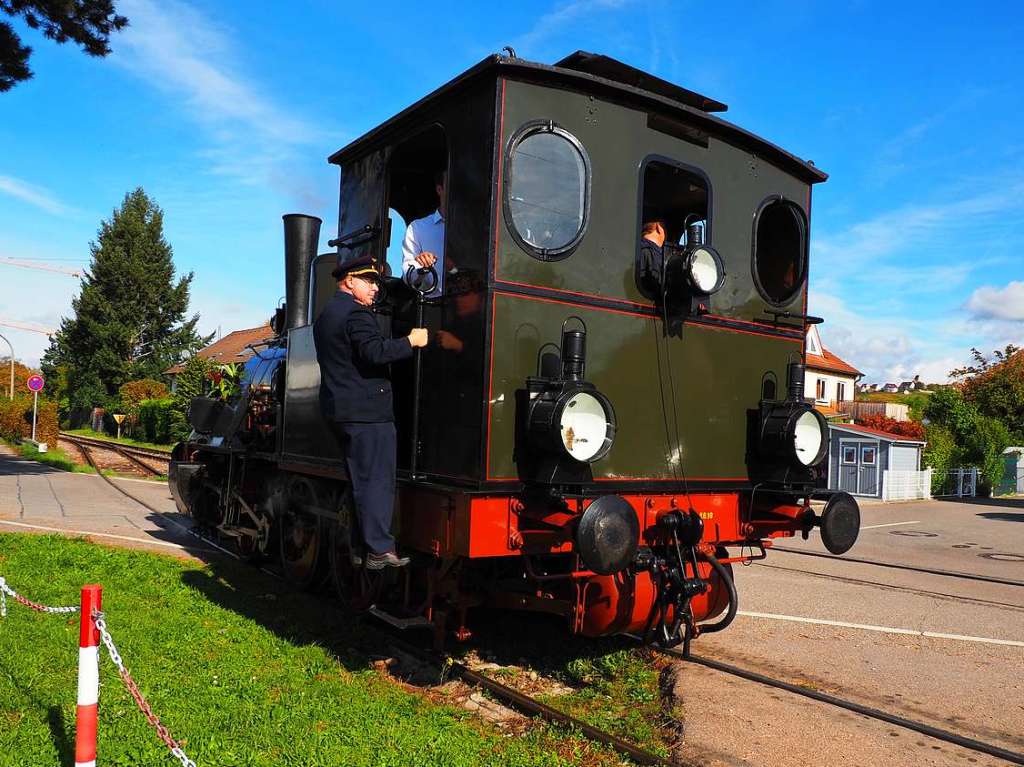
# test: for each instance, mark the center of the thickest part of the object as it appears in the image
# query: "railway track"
(137, 456)
(898, 566)
(503, 693)
(533, 707)
(971, 744)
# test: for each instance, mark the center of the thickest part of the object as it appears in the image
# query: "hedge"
(156, 417)
(16, 420)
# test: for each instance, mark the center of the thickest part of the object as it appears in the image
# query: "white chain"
(6, 590)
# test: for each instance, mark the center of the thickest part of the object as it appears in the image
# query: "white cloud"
(34, 195)
(1006, 303)
(555, 20)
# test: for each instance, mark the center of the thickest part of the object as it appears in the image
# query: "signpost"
(35, 385)
(119, 417)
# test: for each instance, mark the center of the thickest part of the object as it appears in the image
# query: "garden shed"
(876, 464)
(1013, 476)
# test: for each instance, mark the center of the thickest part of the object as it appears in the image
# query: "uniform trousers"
(370, 457)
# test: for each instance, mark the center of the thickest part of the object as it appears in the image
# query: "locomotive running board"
(415, 622)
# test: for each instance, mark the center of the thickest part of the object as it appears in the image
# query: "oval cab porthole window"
(780, 250)
(547, 191)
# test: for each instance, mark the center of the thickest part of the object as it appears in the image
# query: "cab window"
(780, 250)
(547, 195)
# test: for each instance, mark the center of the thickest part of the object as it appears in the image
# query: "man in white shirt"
(424, 241)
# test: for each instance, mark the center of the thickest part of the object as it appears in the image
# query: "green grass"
(54, 457)
(241, 670)
(84, 432)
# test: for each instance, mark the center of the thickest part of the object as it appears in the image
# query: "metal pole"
(35, 404)
(12, 366)
(416, 377)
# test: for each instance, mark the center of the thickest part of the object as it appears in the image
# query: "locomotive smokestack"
(795, 375)
(301, 240)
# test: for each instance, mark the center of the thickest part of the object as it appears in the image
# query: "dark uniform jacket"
(649, 265)
(354, 355)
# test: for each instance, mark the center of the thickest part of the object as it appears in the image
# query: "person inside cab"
(423, 246)
(356, 402)
(650, 264)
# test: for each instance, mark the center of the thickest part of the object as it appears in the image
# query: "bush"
(909, 429)
(156, 417)
(941, 454)
(16, 420)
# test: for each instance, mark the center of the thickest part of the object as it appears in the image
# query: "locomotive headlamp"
(563, 423)
(704, 271)
(794, 431)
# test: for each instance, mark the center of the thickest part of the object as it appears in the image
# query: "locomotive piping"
(733, 597)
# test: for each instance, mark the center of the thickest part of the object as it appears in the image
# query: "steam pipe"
(733, 598)
(301, 241)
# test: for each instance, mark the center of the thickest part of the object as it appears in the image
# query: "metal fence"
(956, 483)
(906, 485)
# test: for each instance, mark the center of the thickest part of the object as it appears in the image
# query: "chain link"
(6, 590)
(133, 690)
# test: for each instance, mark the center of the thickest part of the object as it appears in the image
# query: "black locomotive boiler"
(580, 444)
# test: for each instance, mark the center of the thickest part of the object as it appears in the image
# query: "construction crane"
(24, 264)
(29, 326)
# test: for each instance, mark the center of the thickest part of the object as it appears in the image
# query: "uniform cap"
(364, 266)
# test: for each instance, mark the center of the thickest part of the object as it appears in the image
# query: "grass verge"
(53, 456)
(84, 432)
(241, 670)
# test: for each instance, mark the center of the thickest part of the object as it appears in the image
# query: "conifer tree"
(129, 319)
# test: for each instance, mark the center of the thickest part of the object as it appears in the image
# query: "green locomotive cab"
(596, 415)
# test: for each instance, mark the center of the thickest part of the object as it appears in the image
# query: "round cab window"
(780, 246)
(547, 191)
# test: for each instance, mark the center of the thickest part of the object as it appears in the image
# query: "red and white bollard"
(88, 678)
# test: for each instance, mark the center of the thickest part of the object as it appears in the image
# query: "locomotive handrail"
(355, 238)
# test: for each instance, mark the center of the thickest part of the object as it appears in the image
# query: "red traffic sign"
(35, 383)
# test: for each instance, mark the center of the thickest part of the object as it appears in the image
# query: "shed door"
(868, 468)
(848, 460)
(903, 458)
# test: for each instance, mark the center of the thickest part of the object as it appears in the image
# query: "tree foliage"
(129, 318)
(996, 387)
(193, 381)
(909, 429)
(976, 439)
(86, 22)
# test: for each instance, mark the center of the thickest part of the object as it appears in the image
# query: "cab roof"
(599, 75)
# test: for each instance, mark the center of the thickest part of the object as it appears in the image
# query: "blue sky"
(225, 113)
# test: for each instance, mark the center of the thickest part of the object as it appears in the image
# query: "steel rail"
(897, 566)
(513, 697)
(962, 741)
(122, 450)
(154, 452)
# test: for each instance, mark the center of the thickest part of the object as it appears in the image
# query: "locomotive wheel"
(261, 546)
(302, 534)
(357, 587)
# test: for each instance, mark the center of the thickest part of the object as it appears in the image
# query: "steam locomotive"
(580, 445)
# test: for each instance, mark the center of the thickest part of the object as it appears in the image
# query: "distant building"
(236, 346)
(891, 388)
(828, 379)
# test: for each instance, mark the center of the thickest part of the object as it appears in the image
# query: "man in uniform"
(355, 399)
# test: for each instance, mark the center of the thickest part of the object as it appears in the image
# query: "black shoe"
(388, 559)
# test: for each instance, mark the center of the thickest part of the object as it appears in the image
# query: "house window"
(547, 191)
(867, 455)
(820, 391)
(849, 454)
(780, 250)
(840, 392)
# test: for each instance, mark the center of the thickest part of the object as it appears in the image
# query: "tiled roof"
(877, 433)
(230, 348)
(831, 363)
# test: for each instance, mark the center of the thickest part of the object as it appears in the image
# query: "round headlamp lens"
(584, 426)
(704, 270)
(808, 438)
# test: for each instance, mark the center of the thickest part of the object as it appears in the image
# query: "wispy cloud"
(181, 52)
(34, 195)
(553, 22)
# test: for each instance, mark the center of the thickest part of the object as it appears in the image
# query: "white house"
(829, 379)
